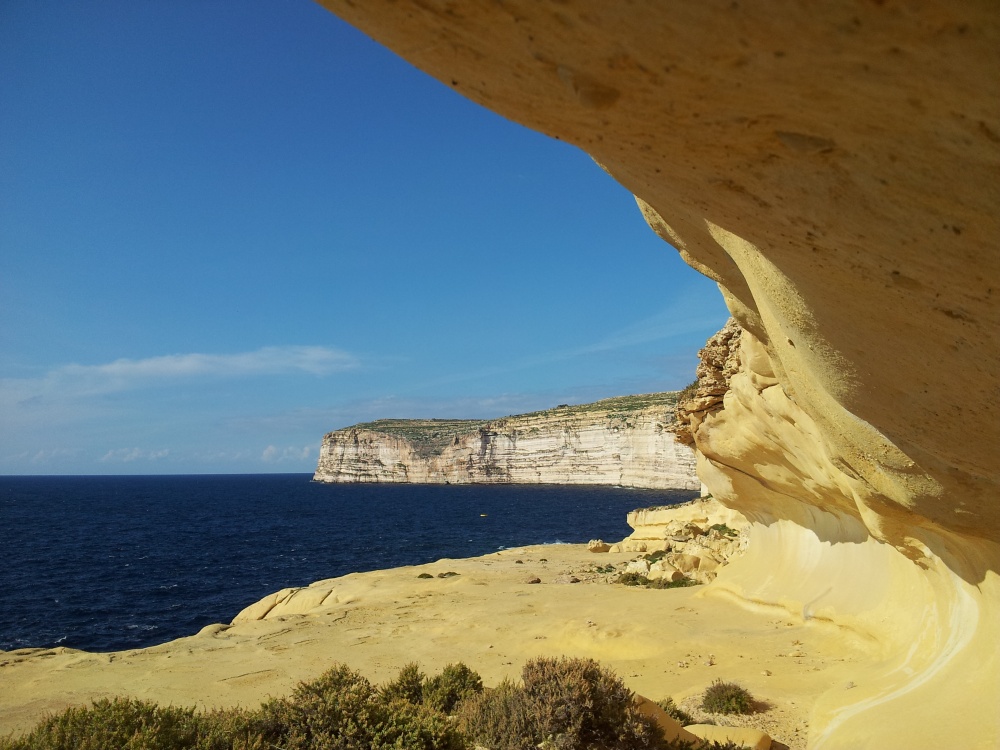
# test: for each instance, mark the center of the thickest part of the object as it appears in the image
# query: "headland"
(626, 441)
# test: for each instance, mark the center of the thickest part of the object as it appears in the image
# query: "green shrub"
(638, 579)
(129, 724)
(406, 726)
(502, 718)
(655, 556)
(408, 686)
(343, 711)
(340, 710)
(687, 393)
(723, 529)
(666, 583)
(563, 704)
(672, 710)
(337, 710)
(444, 691)
(235, 729)
(727, 698)
(632, 579)
(578, 704)
(124, 723)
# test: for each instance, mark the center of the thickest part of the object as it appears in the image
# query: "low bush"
(408, 685)
(638, 579)
(727, 698)
(688, 392)
(124, 723)
(340, 710)
(666, 583)
(503, 718)
(723, 529)
(563, 704)
(632, 579)
(455, 682)
(579, 704)
(674, 712)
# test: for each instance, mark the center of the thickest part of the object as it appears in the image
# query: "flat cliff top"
(431, 431)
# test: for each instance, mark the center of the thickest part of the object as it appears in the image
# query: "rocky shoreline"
(493, 612)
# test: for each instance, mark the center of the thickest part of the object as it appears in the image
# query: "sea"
(109, 563)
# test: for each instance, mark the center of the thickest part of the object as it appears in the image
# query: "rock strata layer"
(718, 361)
(623, 441)
(692, 539)
(834, 167)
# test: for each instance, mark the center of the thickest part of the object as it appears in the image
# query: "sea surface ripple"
(113, 563)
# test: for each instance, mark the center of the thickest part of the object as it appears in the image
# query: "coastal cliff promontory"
(834, 167)
(624, 441)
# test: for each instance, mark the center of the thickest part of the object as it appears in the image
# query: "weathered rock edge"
(626, 441)
(834, 168)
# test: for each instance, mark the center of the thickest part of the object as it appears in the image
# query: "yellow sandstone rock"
(834, 167)
(753, 739)
(672, 729)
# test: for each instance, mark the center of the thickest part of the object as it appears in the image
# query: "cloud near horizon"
(127, 455)
(130, 374)
(273, 454)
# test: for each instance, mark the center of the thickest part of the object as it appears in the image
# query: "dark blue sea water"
(111, 563)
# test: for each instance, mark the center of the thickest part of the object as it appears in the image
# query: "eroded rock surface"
(835, 168)
(718, 361)
(696, 539)
(624, 441)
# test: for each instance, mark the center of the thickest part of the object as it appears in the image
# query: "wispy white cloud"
(42, 457)
(291, 454)
(676, 321)
(269, 360)
(74, 380)
(128, 455)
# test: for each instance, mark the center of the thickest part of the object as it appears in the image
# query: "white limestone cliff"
(623, 441)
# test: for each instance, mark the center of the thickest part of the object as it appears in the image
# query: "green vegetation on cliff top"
(431, 436)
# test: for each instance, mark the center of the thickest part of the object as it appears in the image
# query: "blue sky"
(228, 228)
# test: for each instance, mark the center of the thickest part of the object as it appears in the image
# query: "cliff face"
(621, 441)
(718, 361)
(834, 168)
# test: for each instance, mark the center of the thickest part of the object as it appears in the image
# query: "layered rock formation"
(834, 168)
(623, 441)
(697, 539)
(718, 361)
